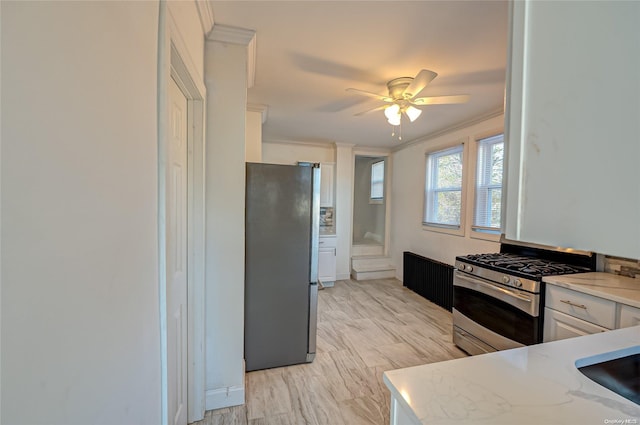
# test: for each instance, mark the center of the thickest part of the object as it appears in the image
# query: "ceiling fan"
(402, 97)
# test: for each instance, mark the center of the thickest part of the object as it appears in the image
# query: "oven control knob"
(505, 279)
(517, 283)
(469, 268)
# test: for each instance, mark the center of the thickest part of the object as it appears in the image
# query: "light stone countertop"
(622, 289)
(538, 384)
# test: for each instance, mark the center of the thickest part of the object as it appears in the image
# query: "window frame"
(459, 230)
(380, 199)
(476, 231)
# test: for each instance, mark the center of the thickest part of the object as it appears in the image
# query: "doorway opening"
(369, 244)
(369, 205)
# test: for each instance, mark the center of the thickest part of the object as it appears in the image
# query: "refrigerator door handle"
(315, 222)
(313, 321)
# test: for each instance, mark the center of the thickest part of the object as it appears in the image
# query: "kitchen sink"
(619, 371)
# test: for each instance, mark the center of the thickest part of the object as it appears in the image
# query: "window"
(443, 189)
(489, 185)
(377, 181)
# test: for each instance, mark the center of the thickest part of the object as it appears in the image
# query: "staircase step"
(366, 267)
(373, 274)
(372, 268)
(358, 250)
(360, 261)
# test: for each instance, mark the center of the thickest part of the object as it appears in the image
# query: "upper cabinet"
(572, 126)
(327, 186)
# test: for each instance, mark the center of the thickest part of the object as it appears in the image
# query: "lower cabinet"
(570, 313)
(559, 325)
(327, 260)
(629, 316)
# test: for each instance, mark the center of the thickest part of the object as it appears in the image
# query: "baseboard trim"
(224, 397)
(343, 276)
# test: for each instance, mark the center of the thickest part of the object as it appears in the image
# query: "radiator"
(429, 278)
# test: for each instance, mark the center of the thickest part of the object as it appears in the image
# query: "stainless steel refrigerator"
(281, 264)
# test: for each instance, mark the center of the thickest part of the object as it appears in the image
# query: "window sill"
(492, 237)
(376, 201)
(446, 230)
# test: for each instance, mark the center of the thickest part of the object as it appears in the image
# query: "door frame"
(382, 153)
(174, 62)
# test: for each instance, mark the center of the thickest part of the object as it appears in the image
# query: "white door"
(177, 257)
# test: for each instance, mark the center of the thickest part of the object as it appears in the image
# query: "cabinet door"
(327, 264)
(326, 185)
(629, 316)
(558, 325)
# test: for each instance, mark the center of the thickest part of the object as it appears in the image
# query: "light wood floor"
(364, 328)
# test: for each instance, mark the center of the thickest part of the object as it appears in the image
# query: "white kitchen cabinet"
(570, 312)
(327, 186)
(551, 160)
(629, 316)
(589, 308)
(327, 260)
(558, 325)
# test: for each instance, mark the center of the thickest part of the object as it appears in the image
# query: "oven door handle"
(495, 288)
(506, 292)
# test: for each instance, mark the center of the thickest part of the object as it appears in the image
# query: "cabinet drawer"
(583, 306)
(558, 326)
(327, 242)
(629, 316)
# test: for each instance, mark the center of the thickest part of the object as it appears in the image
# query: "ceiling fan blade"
(440, 100)
(377, 108)
(366, 93)
(421, 80)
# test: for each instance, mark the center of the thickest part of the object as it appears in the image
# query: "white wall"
(574, 149)
(407, 182)
(253, 148)
(80, 320)
(291, 153)
(226, 80)
(344, 209)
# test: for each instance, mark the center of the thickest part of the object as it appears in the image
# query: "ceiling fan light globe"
(392, 111)
(395, 120)
(413, 113)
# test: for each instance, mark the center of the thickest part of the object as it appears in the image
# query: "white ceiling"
(309, 52)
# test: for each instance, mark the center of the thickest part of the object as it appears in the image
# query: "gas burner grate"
(522, 265)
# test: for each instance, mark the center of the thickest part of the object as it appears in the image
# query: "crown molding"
(459, 126)
(241, 36)
(205, 12)
(258, 107)
(363, 150)
(344, 145)
(320, 144)
(233, 35)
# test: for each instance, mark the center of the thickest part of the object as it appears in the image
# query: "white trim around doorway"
(174, 62)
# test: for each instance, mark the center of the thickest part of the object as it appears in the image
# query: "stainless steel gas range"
(498, 298)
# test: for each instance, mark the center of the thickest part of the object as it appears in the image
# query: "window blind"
(489, 170)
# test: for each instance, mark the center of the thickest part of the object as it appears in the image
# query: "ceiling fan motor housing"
(397, 86)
